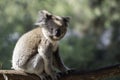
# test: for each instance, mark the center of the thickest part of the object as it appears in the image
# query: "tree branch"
(70, 75)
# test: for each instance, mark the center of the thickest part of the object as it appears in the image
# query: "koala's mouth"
(55, 38)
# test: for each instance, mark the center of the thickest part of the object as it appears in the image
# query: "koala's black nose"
(58, 32)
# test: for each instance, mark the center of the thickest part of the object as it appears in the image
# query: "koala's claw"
(47, 77)
(44, 77)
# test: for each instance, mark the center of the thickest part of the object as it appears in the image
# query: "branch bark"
(70, 75)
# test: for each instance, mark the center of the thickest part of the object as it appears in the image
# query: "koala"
(37, 51)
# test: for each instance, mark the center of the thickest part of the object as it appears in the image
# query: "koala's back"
(26, 47)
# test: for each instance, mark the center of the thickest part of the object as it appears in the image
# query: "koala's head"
(53, 27)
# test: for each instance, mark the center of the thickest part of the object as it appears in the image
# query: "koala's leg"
(35, 65)
(46, 53)
(49, 67)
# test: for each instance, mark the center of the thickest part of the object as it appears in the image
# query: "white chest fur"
(55, 44)
(41, 48)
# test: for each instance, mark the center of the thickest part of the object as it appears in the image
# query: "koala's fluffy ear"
(42, 16)
(66, 19)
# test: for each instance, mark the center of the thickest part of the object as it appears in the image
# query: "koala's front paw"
(42, 77)
(45, 77)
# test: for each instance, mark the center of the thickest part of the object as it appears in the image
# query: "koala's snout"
(58, 33)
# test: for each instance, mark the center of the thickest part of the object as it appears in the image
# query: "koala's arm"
(46, 53)
(58, 62)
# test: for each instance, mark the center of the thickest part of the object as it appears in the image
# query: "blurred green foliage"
(93, 38)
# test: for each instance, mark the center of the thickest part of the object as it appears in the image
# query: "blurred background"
(93, 37)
